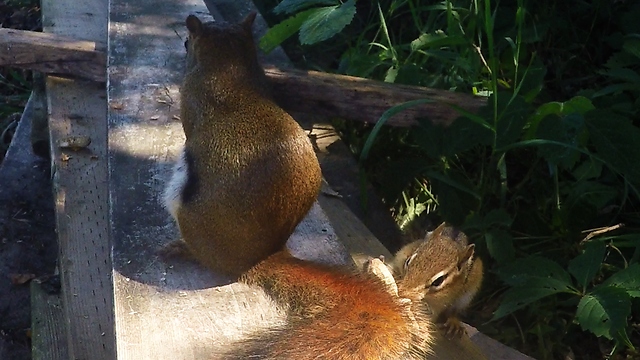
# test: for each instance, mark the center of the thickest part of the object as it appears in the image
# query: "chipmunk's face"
(436, 269)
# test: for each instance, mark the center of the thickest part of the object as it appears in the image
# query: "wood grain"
(78, 108)
(365, 100)
(48, 341)
(52, 54)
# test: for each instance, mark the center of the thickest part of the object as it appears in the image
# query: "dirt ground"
(27, 241)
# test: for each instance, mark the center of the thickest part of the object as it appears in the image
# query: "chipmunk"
(247, 176)
(441, 271)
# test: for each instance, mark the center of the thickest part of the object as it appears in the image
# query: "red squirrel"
(247, 176)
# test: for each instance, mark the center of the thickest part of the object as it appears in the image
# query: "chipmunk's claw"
(452, 328)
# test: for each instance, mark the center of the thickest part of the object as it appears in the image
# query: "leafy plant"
(315, 23)
(551, 157)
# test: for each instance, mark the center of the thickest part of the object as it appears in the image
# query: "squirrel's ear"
(247, 23)
(194, 25)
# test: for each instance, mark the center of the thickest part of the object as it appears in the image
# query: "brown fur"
(254, 173)
(446, 255)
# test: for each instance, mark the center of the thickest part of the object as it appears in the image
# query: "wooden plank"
(365, 100)
(48, 340)
(78, 108)
(170, 310)
(82, 219)
(52, 54)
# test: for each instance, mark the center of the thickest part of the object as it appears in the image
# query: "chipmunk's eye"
(438, 281)
(186, 44)
(408, 261)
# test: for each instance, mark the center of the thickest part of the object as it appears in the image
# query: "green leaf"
(627, 279)
(567, 130)
(292, 6)
(522, 270)
(436, 40)
(604, 311)
(500, 245)
(535, 289)
(632, 45)
(577, 104)
(589, 169)
(498, 217)
(585, 266)
(616, 141)
(282, 31)
(327, 21)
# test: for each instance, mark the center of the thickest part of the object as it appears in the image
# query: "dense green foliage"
(543, 178)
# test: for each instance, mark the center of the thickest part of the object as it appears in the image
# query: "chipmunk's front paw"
(453, 328)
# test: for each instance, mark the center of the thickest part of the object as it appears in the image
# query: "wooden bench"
(118, 300)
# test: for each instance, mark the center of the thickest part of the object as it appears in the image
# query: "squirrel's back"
(248, 173)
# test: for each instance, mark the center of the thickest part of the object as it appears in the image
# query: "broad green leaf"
(624, 74)
(535, 289)
(566, 129)
(326, 22)
(627, 279)
(498, 217)
(614, 89)
(604, 311)
(521, 270)
(500, 245)
(586, 170)
(282, 31)
(616, 142)
(585, 266)
(632, 45)
(292, 6)
(577, 104)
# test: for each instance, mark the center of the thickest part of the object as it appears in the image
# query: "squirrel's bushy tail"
(333, 315)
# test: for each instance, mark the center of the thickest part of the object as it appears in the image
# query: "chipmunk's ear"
(247, 23)
(194, 25)
(466, 256)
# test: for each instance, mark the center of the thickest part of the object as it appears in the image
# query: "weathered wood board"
(78, 108)
(172, 310)
(52, 54)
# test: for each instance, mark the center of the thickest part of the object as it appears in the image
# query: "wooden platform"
(118, 300)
